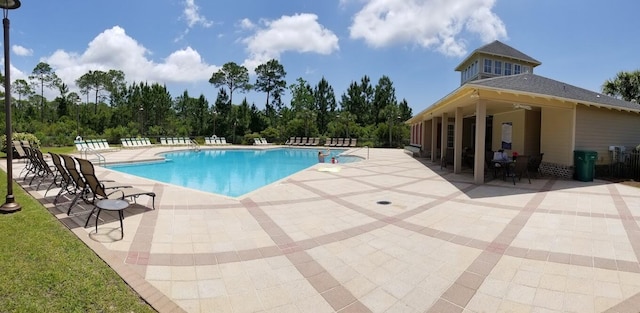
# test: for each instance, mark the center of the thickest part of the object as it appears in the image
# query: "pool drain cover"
(384, 202)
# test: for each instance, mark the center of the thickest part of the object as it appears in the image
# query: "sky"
(416, 43)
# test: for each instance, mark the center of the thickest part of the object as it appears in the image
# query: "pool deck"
(388, 234)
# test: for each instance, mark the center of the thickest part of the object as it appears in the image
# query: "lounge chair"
(339, 142)
(353, 142)
(99, 191)
(346, 142)
(81, 186)
(30, 167)
(18, 151)
(41, 169)
(163, 141)
(98, 188)
(223, 141)
(67, 185)
(328, 142)
(290, 140)
(303, 141)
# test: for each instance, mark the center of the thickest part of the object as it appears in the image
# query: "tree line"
(107, 107)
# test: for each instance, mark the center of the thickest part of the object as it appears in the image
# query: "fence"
(625, 164)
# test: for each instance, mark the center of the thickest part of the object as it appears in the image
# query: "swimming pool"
(228, 172)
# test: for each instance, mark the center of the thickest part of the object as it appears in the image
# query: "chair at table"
(534, 164)
(519, 168)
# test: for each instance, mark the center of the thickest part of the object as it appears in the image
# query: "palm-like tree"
(626, 85)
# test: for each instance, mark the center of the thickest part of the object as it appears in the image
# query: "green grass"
(59, 150)
(46, 268)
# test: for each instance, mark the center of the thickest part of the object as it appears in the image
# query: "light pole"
(215, 114)
(390, 120)
(10, 205)
(141, 110)
(233, 140)
(76, 100)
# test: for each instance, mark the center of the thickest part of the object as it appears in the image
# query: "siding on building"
(556, 135)
(597, 129)
(532, 133)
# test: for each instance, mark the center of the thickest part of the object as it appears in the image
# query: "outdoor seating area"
(175, 141)
(341, 142)
(260, 141)
(76, 177)
(303, 141)
(135, 142)
(498, 234)
(215, 141)
(93, 145)
(514, 167)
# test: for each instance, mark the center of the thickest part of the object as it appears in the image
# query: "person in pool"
(321, 156)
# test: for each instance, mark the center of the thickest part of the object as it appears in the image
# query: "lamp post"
(233, 141)
(141, 111)
(215, 114)
(390, 126)
(10, 205)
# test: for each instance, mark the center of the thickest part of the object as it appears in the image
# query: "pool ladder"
(101, 159)
(193, 145)
(351, 152)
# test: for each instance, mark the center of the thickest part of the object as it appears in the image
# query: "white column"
(443, 135)
(457, 142)
(481, 133)
(434, 138)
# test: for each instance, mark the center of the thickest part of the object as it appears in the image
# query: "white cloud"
(433, 24)
(114, 49)
(192, 15)
(246, 23)
(300, 33)
(21, 51)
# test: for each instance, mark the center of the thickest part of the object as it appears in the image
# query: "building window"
(498, 67)
(507, 68)
(516, 69)
(526, 69)
(487, 66)
(450, 135)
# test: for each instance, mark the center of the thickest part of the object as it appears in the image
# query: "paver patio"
(325, 241)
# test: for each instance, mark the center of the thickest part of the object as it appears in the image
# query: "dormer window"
(507, 68)
(498, 67)
(487, 66)
(516, 69)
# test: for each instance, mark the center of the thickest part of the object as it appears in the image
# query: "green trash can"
(585, 164)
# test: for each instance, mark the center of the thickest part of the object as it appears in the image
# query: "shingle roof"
(532, 83)
(498, 48)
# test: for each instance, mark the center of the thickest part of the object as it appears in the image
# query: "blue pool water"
(228, 172)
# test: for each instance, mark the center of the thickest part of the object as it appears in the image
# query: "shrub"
(19, 136)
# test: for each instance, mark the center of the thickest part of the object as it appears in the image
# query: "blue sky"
(416, 43)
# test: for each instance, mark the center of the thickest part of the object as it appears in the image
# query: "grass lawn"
(46, 268)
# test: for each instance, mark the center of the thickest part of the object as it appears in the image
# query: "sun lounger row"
(135, 142)
(93, 144)
(175, 141)
(215, 141)
(303, 141)
(76, 178)
(341, 142)
(260, 141)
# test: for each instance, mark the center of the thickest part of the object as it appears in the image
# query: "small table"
(112, 205)
(505, 165)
